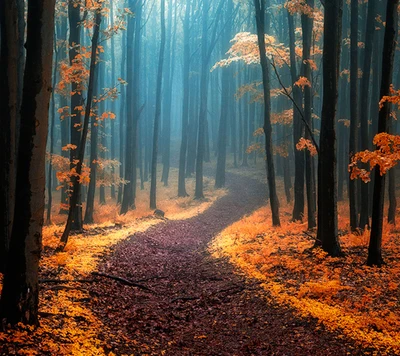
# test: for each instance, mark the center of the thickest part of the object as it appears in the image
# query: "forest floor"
(172, 288)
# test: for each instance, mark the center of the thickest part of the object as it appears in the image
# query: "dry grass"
(342, 293)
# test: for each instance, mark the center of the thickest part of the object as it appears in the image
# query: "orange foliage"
(305, 144)
(386, 156)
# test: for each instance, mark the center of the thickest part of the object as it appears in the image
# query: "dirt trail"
(199, 305)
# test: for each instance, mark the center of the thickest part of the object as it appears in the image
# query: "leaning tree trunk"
(389, 48)
(153, 186)
(9, 108)
(327, 233)
(82, 144)
(273, 197)
(20, 294)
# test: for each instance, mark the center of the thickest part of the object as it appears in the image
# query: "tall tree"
(82, 144)
(354, 118)
(10, 110)
(185, 103)
(327, 233)
(132, 93)
(364, 117)
(389, 48)
(298, 129)
(273, 197)
(74, 13)
(307, 27)
(153, 186)
(226, 109)
(19, 298)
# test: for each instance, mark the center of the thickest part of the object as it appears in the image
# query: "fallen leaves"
(342, 293)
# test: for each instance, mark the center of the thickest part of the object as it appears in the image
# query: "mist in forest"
(186, 118)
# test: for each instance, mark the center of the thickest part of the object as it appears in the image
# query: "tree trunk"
(9, 107)
(354, 118)
(20, 294)
(82, 144)
(370, 31)
(153, 186)
(327, 233)
(260, 13)
(307, 27)
(389, 48)
(203, 103)
(298, 131)
(76, 101)
(226, 109)
(185, 105)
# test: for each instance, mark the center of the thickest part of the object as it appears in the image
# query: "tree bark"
(327, 233)
(20, 294)
(153, 186)
(9, 89)
(273, 198)
(354, 110)
(185, 104)
(82, 144)
(375, 244)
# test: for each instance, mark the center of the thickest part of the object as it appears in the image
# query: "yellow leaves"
(306, 144)
(302, 82)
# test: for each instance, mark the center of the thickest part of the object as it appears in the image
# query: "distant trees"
(20, 294)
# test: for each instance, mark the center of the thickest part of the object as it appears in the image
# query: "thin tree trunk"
(273, 198)
(153, 186)
(354, 118)
(82, 144)
(365, 86)
(185, 105)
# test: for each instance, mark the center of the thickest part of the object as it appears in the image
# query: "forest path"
(198, 304)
